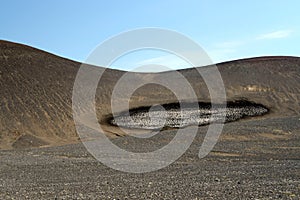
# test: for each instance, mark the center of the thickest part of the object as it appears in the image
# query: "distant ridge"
(260, 58)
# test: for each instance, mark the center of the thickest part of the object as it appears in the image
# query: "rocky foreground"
(254, 159)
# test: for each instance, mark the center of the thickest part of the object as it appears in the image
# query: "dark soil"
(253, 160)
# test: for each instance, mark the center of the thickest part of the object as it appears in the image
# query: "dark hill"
(36, 91)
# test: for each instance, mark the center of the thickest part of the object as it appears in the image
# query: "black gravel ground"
(253, 160)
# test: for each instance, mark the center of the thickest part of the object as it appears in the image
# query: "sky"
(226, 30)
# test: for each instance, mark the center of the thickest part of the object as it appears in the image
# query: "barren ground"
(257, 159)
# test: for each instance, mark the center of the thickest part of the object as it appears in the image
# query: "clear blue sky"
(226, 30)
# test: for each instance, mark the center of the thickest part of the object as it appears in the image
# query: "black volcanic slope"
(36, 92)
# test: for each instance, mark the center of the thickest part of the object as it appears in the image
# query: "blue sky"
(226, 30)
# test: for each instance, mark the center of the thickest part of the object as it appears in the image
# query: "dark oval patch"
(174, 116)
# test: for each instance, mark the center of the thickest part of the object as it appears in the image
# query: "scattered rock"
(217, 180)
